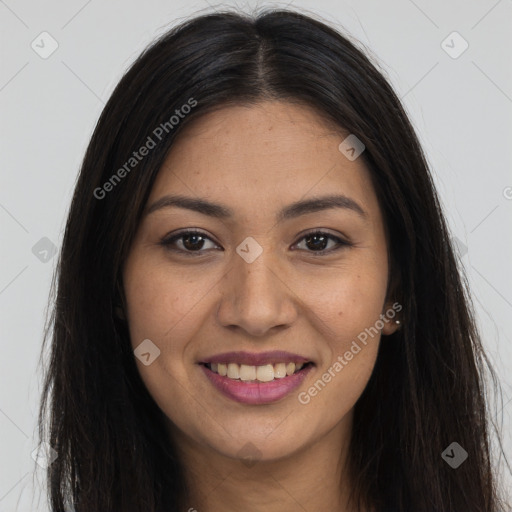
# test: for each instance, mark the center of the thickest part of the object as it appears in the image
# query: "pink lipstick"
(256, 378)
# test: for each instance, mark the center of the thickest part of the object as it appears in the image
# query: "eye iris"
(192, 246)
(194, 241)
(317, 236)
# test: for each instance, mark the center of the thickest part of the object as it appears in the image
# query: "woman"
(257, 304)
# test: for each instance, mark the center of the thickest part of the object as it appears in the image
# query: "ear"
(391, 317)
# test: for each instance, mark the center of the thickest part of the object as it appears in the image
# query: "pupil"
(312, 241)
(323, 243)
(192, 245)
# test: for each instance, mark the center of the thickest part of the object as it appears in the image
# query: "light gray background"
(461, 108)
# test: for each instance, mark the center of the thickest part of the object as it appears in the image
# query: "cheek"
(161, 307)
(345, 302)
(347, 310)
(161, 302)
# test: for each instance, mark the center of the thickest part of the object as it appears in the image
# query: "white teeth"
(247, 372)
(233, 371)
(290, 368)
(279, 370)
(265, 373)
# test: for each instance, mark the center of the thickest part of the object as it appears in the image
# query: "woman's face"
(255, 282)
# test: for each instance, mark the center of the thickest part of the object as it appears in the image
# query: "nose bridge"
(254, 270)
(255, 296)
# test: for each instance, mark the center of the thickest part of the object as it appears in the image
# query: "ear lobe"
(391, 318)
(391, 326)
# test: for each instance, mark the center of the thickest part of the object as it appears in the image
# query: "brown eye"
(187, 242)
(318, 241)
(193, 243)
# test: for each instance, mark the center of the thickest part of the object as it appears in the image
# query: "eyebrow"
(291, 211)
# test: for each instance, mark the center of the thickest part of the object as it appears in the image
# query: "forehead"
(267, 130)
(272, 152)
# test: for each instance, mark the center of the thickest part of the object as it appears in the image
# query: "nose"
(256, 297)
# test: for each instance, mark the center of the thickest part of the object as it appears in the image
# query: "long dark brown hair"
(427, 388)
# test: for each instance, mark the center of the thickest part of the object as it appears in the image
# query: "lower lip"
(255, 393)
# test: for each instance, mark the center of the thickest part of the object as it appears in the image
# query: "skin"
(255, 160)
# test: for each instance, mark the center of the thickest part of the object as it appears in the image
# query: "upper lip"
(256, 359)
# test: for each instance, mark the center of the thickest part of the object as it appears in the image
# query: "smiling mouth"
(264, 373)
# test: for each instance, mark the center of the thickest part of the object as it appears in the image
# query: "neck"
(313, 478)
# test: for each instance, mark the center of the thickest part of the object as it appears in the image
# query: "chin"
(250, 451)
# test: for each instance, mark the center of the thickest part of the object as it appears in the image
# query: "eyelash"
(167, 242)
